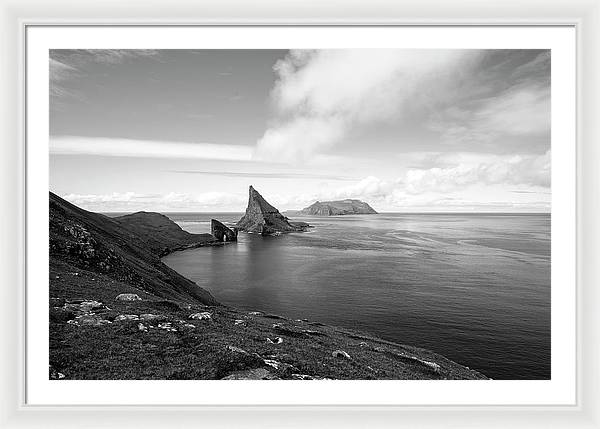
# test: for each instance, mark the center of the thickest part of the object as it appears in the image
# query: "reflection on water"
(475, 288)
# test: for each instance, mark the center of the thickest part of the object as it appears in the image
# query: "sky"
(404, 130)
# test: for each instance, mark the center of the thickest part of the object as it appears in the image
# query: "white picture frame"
(583, 15)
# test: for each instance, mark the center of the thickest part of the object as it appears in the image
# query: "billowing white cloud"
(321, 95)
(442, 187)
(72, 145)
(480, 169)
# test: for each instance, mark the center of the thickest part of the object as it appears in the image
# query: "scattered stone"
(363, 344)
(188, 325)
(205, 315)
(122, 317)
(128, 297)
(315, 333)
(431, 365)
(276, 340)
(89, 320)
(280, 366)
(142, 327)
(238, 322)
(307, 377)
(167, 327)
(272, 363)
(83, 306)
(341, 354)
(235, 349)
(251, 374)
(149, 317)
(54, 374)
(302, 377)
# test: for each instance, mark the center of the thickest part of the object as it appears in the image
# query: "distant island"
(335, 208)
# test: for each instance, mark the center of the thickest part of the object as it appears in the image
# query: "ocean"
(472, 287)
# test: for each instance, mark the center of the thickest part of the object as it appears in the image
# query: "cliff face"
(262, 218)
(125, 249)
(338, 208)
(221, 232)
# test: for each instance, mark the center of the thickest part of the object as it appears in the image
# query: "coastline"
(118, 312)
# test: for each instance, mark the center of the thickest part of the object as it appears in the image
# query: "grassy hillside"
(121, 252)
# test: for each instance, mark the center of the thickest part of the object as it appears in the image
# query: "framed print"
(306, 217)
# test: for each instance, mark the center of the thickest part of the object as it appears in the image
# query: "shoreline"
(168, 327)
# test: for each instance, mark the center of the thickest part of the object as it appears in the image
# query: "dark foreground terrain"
(117, 312)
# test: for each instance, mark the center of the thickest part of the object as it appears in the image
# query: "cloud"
(321, 95)
(445, 185)
(73, 145)
(67, 64)
(81, 57)
(282, 175)
(132, 201)
(503, 102)
(516, 112)
(480, 169)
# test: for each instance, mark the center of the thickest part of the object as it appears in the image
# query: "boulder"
(235, 349)
(205, 315)
(89, 320)
(341, 354)
(122, 317)
(128, 297)
(83, 306)
(150, 317)
(251, 374)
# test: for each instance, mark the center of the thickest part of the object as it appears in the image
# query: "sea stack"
(221, 232)
(262, 218)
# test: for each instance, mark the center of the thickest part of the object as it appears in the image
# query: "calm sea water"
(472, 287)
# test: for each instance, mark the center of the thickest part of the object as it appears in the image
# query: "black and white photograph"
(300, 214)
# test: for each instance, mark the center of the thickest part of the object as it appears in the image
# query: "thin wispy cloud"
(252, 175)
(71, 145)
(132, 201)
(67, 64)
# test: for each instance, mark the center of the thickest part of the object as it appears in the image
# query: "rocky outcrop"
(222, 232)
(337, 208)
(262, 218)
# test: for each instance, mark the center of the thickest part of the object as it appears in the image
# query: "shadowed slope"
(123, 251)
